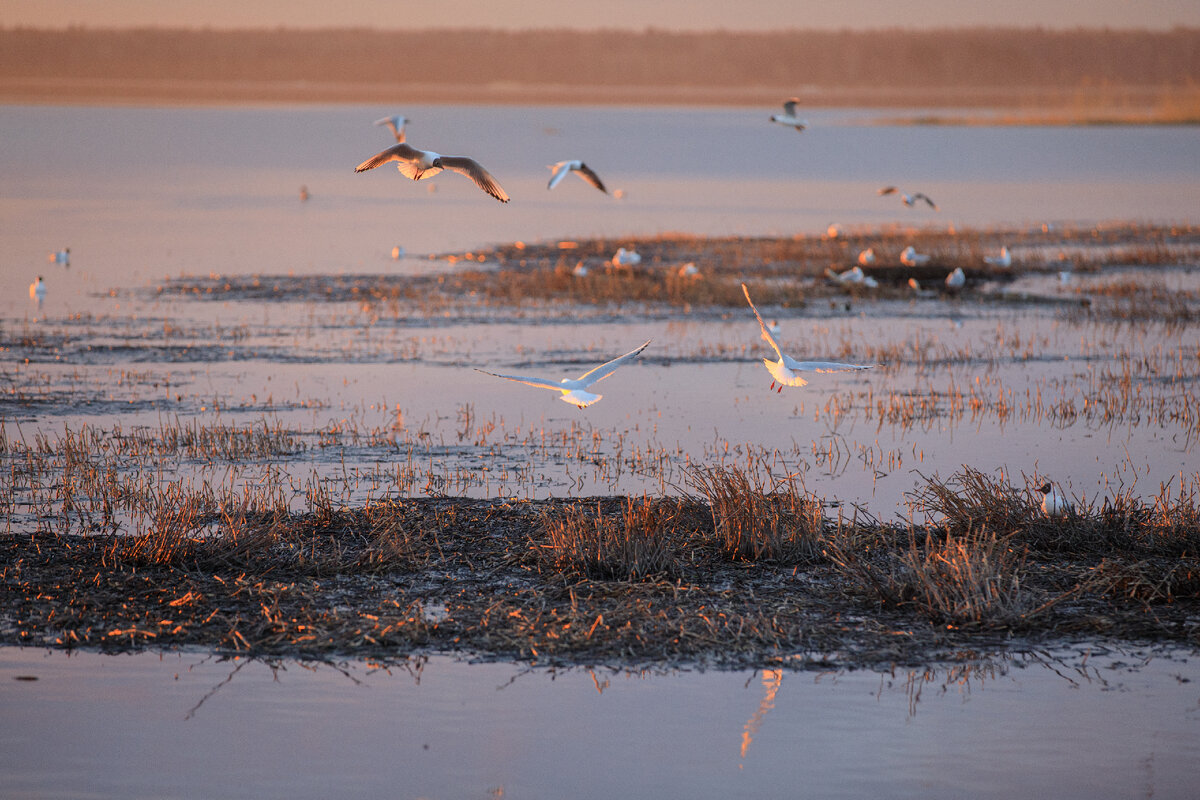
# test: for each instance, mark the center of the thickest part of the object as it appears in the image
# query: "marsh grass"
(973, 578)
(751, 576)
(646, 538)
(776, 523)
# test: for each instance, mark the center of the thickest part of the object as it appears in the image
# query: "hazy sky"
(635, 14)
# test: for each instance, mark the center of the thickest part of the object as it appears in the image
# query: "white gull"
(579, 168)
(422, 164)
(784, 370)
(574, 391)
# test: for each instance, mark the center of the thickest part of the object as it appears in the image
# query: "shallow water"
(1124, 724)
(366, 392)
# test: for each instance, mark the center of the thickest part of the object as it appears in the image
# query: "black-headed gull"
(1002, 260)
(1054, 504)
(396, 123)
(574, 391)
(956, 279)
(60, 257)
(422, 164)
(579, 168)
(788, 117)
(37, 291)
(909, 257)
(911, 200)
(784, 370)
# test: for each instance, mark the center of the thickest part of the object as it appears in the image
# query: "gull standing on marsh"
(1002, 260)
(788, 117)
(1054, 503)
(911, 258)
(37, 291)
(784, 370)
(579, 168)
(956, 279)
(396, 123)
(574, 391)
(422, 164)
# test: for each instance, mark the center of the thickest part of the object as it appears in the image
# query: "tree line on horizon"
(949, 58)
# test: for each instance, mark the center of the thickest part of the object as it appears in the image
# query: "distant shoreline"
(1015, 106)
(1077, 74)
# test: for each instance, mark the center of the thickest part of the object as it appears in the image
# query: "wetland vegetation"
(230, 524)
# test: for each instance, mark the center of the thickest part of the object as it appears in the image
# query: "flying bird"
(911, 200)
(579, 168)
(574, 391)
(396, 123)
(784, 370)
(788, 117)
(422, 164)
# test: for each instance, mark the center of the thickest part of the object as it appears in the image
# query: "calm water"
(1120, 724)
(143, 195)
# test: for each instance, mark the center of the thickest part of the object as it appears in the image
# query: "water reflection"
(153, 725)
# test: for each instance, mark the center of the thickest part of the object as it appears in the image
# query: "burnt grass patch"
(739, 574)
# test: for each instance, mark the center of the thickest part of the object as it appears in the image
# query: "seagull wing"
(887, 190)
(789, 107)
(541, 383)
(927, 199)
(822, 366)
(396, 124)
(766, 334)
(585, 172)
(608, 368)
(401, 152)
(560, 171)
(475, 171)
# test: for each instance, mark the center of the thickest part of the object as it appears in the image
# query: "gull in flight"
(574, 391)
(911, 258)
(1002, 260)
(909, 199)
(956, 279)
(37, 291)
(788, 117)
(579, 168)
(60, 257)
(396, 123)
(784, 370)
(421, 164)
